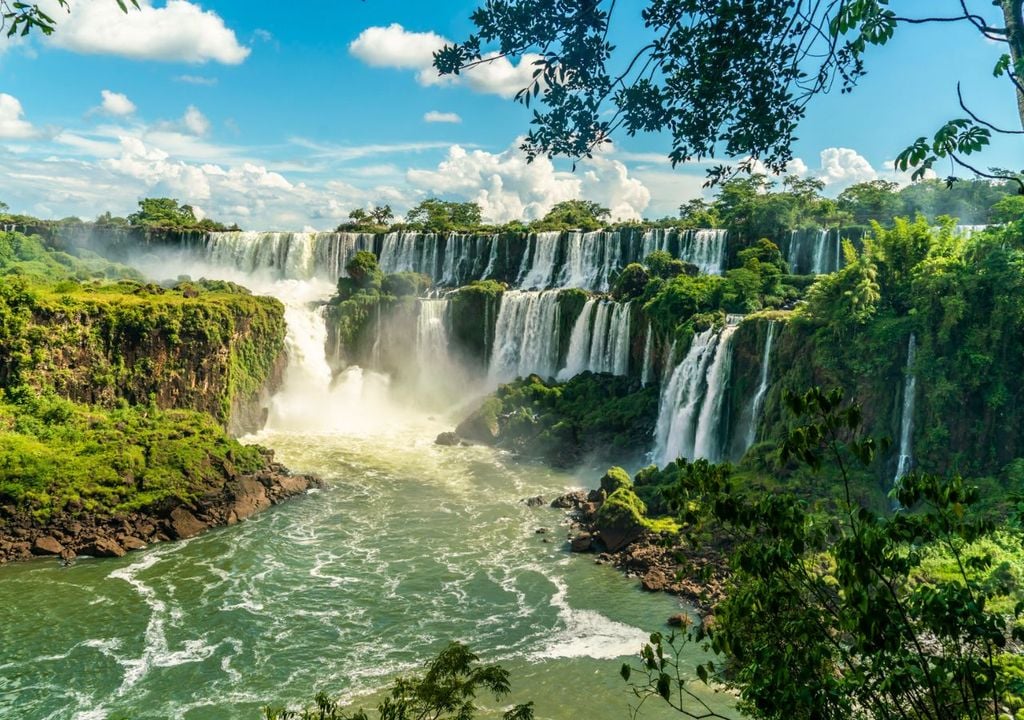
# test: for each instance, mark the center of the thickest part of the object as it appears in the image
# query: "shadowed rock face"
(234, 499)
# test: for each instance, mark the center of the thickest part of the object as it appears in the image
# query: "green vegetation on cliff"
(590, 415)
(59, 456)
(114, 393)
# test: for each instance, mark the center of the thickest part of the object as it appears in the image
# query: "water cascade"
(757, 405)
(690, 416)
(704, 248)
(647, 370)
(538, 266)
(906, 459)
(600, 340)
(283, 254)
(525, 336)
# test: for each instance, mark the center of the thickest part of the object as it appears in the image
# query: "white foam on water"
(588, 633)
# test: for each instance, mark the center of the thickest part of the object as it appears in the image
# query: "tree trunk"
(1012, 14)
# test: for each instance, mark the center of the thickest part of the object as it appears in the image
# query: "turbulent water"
(410, 545)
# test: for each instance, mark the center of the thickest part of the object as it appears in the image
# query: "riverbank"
(69, 534)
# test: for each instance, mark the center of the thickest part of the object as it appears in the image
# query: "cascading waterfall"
(540, 272)
(705, 249)
(757, 405)
(286, 255)
(690, 416)
(600, 340)
(647, 370)
(820, 245)
(591, 259)
(432, 332)
(525, 336)
(906, 459)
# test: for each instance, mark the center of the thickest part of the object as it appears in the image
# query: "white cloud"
(842, 167)
(395, 47)
(507, 187)
(178, 32)
(13, 126)
(435, 116)
(197, 80)
(116, 104)
(195, 122)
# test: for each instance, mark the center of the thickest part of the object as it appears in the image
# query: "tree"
(830, 615)
(575, 214)
(21, 18)
(720, 77)
(382, 214)
(445, 691)
(163, 212)
(699, 213)
(358, 217)
(443, 216)
(872, 200)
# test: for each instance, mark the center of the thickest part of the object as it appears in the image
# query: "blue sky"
(288, 119)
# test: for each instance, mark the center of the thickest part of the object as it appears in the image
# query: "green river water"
(410, 546)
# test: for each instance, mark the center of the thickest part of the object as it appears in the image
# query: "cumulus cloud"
(13, 125)
(841, 167)
(116, 104)
(435, 116)
(195, 122)
(507, 187)
(395, 47)
(178, 32)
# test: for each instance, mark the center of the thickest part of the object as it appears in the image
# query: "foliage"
(375, 220)
(573, 215)
(166, 213)
(60, 456)
(720, 78)
(564, 423)
(630, 282)
(614, 479)
(405, 284)
(433, 215)
(447, 690)
(830, 616)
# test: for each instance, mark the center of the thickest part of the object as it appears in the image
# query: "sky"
(286, 116)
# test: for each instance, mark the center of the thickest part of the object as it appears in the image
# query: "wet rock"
(680, 620)
(47, 545)
(582, 542)
(541, 531)
(250, 498)
(102, 547)
(569, 500)
(448, 439)
(130, 542)
(533, 502)
(184, 524)
(655, 580)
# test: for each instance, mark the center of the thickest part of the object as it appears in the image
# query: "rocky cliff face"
(216, 352)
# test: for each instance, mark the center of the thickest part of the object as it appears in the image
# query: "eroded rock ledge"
(71, 534)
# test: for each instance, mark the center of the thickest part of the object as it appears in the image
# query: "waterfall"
(492, 259)
(578, 357)
(600, 340)
(618, 346)
(591, 260)
(839, 251)
(705, 249)
(690, 414)
(541, 270)
(820, 246)
(285, 255)
(906, 459)
(648, 366)
(432, 332)
(525, 335)
(762, 388)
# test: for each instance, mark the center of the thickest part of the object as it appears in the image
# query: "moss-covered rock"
(615, 479)
(621, 519)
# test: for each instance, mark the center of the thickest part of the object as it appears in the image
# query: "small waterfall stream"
(757, 405)
(525, 336)
(600, 339)
(906, 449)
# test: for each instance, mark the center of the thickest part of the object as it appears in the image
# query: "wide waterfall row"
(600, 340)
(691, 417)
(538, 261)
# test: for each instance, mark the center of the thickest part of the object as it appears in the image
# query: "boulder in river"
(47, 545)
(582, 542)
(447, 439)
